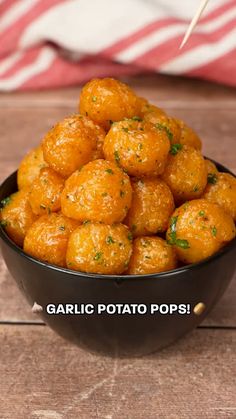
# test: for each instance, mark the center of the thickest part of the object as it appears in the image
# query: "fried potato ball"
(188, 136)
(185, 173)
(99, 248)
(47, 238)
(152, 206)
(16, 215)
(151, 255)
(166, 123)
(212, 172)
(45, 192)
(72, 143)
(147, 108)
(140, 148)
(223, 193)
(100, 191)
(198, 229)
(108, 100)
(30, 167)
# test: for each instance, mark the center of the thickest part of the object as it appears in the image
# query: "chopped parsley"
(175, 148)
(136, 118)
(133, 227)
(3, 223)
(122, 194)
(109, 240)
(201, 213)
(212, 178)
(196, 189)
(94, 98)
(130, 236)
(110, 171)
(184, 244)
(166, 129)
(117, 157)
(5, 201)
(125, 129)
(98, 256)
(214, 231)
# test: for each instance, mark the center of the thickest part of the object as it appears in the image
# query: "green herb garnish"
(214, 231)
(94, 98)
(175, 148)
(184, 244)
(98, 256)
(110, 171)
(122, 194)
(133, 227)
(130, 236)
(212, 178)
(201, 213)
(125, 129)
(166, 129)
(3, 223)
(109, 240)
(5, 201)
(136, 118)
(62, 228)
(117, 157)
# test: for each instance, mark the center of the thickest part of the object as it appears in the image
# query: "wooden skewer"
(194, 21)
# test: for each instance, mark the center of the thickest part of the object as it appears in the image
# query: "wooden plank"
(155, 87)
(45, 377)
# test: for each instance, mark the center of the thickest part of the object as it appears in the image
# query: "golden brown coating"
(47, 238)
(140, 148)
(30, 167)
(16, 215)
(152, 206)
(147, 108)
(151, 255)
(99, 248)
(108, 100)
(223, 192)
(198, 229)
(166, 123)
(71, 143)
(188, 136)
(185, 173)
(45, 192)
(100, 191)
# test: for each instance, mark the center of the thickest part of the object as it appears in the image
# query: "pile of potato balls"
(120, 188)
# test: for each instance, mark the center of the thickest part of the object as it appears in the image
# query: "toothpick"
(194, 21)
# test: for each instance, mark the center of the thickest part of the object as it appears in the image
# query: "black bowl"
(120, 334)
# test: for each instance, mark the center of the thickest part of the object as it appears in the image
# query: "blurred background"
(55, 43)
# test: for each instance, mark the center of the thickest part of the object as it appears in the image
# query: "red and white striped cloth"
(49, 43)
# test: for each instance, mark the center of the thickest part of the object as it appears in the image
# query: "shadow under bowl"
(114, 334)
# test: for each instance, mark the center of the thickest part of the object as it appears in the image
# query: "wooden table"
(41, 375)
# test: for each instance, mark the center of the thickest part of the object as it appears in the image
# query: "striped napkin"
(50, 43)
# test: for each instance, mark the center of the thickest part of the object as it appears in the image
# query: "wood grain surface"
(41, 375)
